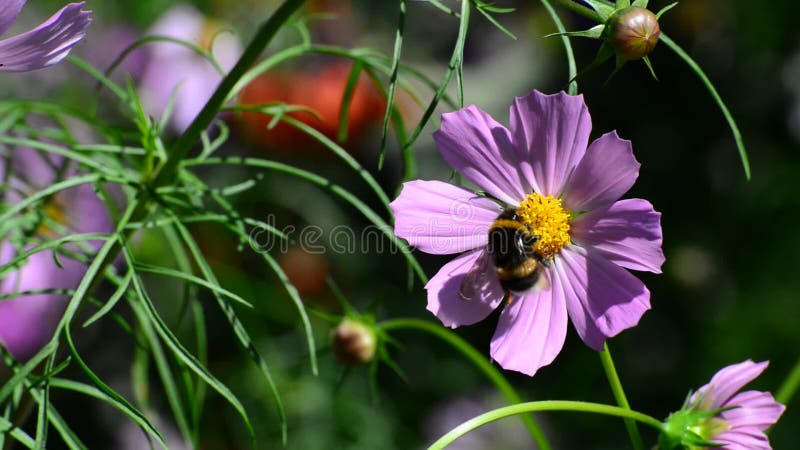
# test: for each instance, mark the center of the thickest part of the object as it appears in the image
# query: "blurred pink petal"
(46, 44)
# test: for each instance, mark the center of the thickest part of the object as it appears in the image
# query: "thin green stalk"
(580, 9)
(619, 396)
(192, 134)
(790, 385)
(572, 67)
(478, 359)
(737, 136)
(546, 405)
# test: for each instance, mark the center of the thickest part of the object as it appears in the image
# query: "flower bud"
(353, 342)
(633, 32)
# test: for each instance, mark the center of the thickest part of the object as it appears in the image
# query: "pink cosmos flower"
(752, 413)
(44, 45)
(27, 322)
(173, 68)
(567, 192)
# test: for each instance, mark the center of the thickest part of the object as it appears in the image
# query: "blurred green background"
(730, 288)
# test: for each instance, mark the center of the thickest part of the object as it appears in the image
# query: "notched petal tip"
(47, 44)
(550, 134)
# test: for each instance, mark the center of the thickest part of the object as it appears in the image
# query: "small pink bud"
(353, 342)
(633, 32)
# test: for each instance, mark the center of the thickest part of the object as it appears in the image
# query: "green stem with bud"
(619, 396)
(737, 135)
(546, 405)
(476, 358)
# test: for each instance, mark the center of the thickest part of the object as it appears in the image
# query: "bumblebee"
(510, 251)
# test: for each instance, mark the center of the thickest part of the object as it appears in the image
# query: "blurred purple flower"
(752, 412)
(44, 45)
(174, 67)
(568, 194)
(719, 416)
(27, 322)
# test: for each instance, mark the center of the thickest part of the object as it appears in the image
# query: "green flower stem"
(572, 67)
(546, 405)
(619, 396)
(589, 13)
(475, 357)
(790, 385)
(737, 136)
(188, 139)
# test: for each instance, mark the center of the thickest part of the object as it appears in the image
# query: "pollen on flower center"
(548, 220)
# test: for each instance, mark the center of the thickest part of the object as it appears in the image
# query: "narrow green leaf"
(8, 428)
(347, 99)
(455, 60)
(665, 9)
(602, 9)
(398, 48)
(649, 65)
(112, 301)
(180, 351)
(485, 12)
(236, 324)
(115, 399)
(167, 272)
(329, 186)
(571, 66)
(163, 368)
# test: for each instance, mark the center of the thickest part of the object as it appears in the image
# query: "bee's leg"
(509, 298)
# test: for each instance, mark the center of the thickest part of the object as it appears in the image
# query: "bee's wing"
(474, 282)
(543, 283)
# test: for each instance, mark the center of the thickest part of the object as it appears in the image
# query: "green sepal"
(678, 433)
(622, 4)
(602, 9)
(595, 32)
(640, 3)
(604, 54)
(665, 9)
(649, 65)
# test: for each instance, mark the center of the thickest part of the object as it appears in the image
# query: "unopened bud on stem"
(633, 32)
(353, 342)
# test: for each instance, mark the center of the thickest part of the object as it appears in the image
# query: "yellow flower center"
(548, 220)
(54, 213)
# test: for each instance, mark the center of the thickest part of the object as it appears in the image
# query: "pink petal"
(627, 233)
(440, 218)
(606, 172)
(46, 44)
(27, 323)
(727, 382)
(756, 409)
(550, 133)
(479, 148)
(602, 298)
(531, 331)
(749, 438)
(9, 10)
(444, 292)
